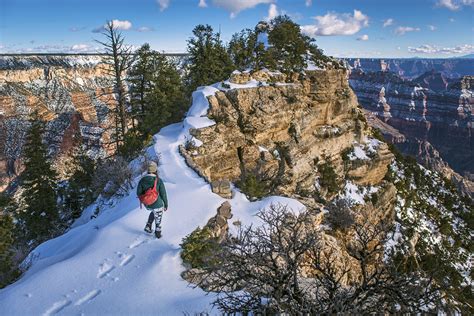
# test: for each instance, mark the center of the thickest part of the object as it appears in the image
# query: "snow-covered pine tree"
(39, 211)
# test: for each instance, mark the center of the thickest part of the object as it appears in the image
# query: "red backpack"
(150, 196)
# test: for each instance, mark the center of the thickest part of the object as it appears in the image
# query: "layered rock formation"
(72, 94)
(415, 67)
(286, 132)
(425, 109)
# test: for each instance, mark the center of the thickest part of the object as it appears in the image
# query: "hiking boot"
(158, 233)
(148, 228)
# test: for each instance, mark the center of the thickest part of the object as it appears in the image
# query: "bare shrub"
(286, 266)
(112, 177)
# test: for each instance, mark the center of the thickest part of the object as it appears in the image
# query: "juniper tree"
(209, 60)
(39, 212)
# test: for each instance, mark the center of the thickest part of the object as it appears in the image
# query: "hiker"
(151, 193)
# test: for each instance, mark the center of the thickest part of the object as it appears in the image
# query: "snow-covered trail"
(110, 266)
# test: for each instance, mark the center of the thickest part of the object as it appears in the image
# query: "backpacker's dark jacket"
(147, 182)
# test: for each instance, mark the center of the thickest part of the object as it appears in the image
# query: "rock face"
(425, 109)
(71, 93)
(285, 132)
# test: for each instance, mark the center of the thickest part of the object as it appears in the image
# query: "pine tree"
(7, 270)
(40, 212)
(167, 98)
(209, 60)
(140, 78)
(242, 49)
(157, 88)
(288, 45)
(79, 193)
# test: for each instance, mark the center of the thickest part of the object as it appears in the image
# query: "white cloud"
(387, 22)
(164, 4)
(235, 6)
(364, 37)
(401, 30)
(80, 47)
(272, 12)
(337, 24)
(122, 25)
(118, 24)
(432, 28)
(308, 3)
(451, 20)
(145, 29)
(454, 5)
(433, 49)
(202, 4)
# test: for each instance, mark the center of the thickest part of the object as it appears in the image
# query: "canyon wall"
(71, 93)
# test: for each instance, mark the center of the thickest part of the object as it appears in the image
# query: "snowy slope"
(109, 266)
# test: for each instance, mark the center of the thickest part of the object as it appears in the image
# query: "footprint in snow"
(57, 307)
(88, 297)
(126, 260)
(104, 269)
(139, 241)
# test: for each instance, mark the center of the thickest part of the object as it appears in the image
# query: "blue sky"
(363, 28)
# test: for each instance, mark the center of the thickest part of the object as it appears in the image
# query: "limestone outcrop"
(283, 132)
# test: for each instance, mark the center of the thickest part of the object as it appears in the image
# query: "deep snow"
(110, 266)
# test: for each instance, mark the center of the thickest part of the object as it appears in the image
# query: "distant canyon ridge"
(419, 104)
(428, 102)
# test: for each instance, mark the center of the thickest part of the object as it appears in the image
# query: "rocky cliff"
(71, 93)
(305, 137)
(291, 135)
(426, 109)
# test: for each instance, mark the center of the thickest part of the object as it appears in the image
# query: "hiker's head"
(152, 167)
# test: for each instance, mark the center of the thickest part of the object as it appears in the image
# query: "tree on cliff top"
(119, 59)
(209, 60)
(276, 45)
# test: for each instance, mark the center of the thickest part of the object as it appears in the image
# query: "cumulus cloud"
(202, 4)
(164, 4)
(118, 24)
(308, 3)
(145, 29)
(364, 37)
(433, 49)
(432, 28)
(387, 22)
(235, 6)
(337, 24)
(401, 30)
(272, 12)
(80, 47)
(454, 5)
